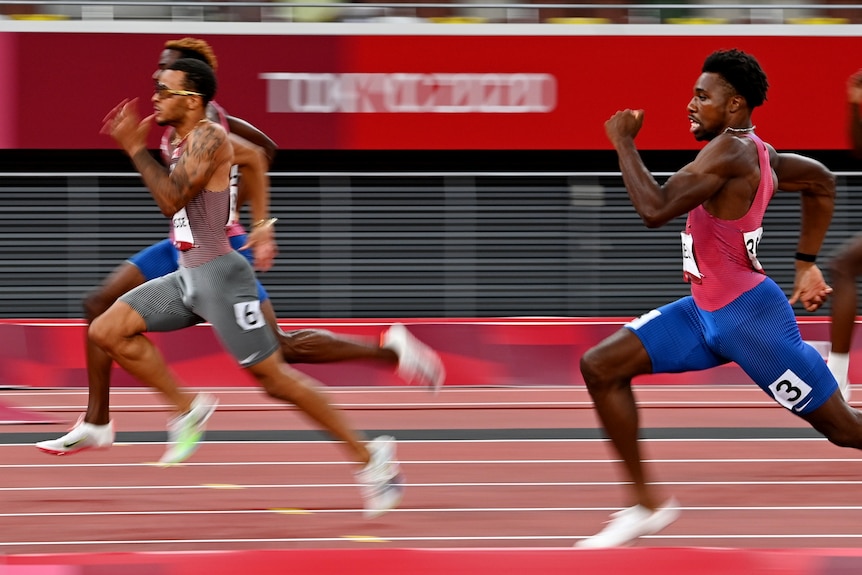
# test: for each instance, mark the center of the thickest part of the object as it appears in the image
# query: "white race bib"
(183, 238)
(233, 214)
(248, 315)
(690, 270)
(790, 391)
(752, 240)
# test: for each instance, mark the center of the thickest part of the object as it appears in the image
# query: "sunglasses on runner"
(163, 92)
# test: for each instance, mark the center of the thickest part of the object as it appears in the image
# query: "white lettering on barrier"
(400, 93)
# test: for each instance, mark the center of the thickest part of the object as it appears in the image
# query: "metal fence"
(393, 245)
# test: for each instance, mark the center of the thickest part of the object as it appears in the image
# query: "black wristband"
(805, 257)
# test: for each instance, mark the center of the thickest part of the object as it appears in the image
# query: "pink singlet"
(720, 260)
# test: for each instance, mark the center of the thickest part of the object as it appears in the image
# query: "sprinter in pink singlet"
(735, 311)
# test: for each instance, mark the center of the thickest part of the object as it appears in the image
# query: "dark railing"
(394, 245)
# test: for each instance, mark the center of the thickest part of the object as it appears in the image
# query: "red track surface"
(505, 494)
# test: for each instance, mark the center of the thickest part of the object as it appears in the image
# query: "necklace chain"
(729, 130)
(176, 140)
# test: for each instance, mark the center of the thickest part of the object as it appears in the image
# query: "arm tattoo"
(202, 153)
(191, 173)
(155, 177)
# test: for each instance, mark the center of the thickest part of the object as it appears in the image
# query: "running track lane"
(500, 469)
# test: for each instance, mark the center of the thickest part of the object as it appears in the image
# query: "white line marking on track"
(439, 462)
(418, 485)
(418, 538)
(480, 441)
(757, 460)
(408, 510)
(393, 405)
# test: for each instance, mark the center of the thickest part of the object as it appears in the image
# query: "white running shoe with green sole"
(186, 432)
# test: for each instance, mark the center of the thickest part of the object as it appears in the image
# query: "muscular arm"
(252, 164)
(254, 188)
(251, 133)
(205, 162)
(816, 185)
(206, 151)
(691, 186)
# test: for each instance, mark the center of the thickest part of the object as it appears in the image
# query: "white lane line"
(445, 462)
(423, 405)
(402, 511)
(477, 484)
(432, 485)
(418, 538)
(757, 460)
(460, 442)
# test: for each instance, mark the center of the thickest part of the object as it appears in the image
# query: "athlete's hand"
(809, 287)
(124, 125)
(261, 241)
(624, 124)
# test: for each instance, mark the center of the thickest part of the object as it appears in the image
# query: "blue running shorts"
(158, 260)
(757, 330)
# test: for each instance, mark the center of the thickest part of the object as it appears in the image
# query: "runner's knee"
(594, 371)
(102, 333)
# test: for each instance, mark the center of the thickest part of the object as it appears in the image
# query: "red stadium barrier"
(490, 352)
(348, 89)
(496, 561)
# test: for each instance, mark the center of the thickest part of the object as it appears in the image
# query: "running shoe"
(417, 363)
(83, 436)
(628, 524)
(381, 482)
(186, 431)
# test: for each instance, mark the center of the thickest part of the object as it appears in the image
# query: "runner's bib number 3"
(790, 391)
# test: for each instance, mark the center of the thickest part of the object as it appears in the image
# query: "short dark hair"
(742, 71)
(199, 77)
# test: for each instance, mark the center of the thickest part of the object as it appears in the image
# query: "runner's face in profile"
(169, 97)
(707, 109)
